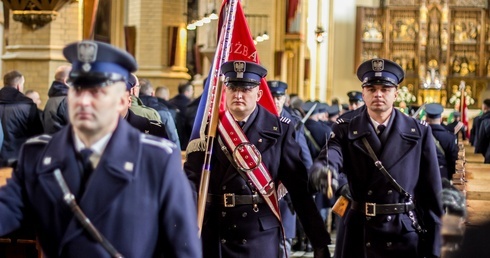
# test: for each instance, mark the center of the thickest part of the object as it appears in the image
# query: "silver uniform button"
(368, 244)
(223, 214)
(224, 187)
(390, 191)
(244, 241)
(388, 218)
(244, 187)
(244, 214)
(370, 192)
(223, 241)
(388, 244)
(368, 218)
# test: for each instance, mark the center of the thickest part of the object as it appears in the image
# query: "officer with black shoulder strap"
(446, 143)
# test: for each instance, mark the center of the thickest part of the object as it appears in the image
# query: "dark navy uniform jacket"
(285, 205)
(319, 132)
(146, 125)
(447, 160)
(137, 197)
(240, 231)
(482, 143)
(409, 155)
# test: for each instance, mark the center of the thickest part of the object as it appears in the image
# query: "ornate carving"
(34, 19)
(35, 13)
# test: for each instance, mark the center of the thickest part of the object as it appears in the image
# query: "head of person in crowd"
(434, 113)
(146, 88)
(97, 94)
(14, 79)
(319, 112)
(133, 85)
(186, 89)
(61, 74)
(242, 79)
(34, 95)
(486, 105)
(278, 92)
(162, 92)
(457, 116)
(380, 79)
(333, 113)
(355, 100)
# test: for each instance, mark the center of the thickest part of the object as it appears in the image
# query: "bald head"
(61, 73)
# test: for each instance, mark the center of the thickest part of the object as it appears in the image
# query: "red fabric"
(242, 47)
(464, 111)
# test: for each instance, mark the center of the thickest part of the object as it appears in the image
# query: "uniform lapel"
(402, 138)
(116, 168)
(361, 127)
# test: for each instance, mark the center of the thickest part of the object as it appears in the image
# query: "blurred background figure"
(54, 116)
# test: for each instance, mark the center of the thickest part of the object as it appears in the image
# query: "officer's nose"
(85, 98)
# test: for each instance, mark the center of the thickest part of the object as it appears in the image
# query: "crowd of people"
(99, 169)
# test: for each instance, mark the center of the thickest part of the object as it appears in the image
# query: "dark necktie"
(86, 165)
(241, 123)
(381, 128)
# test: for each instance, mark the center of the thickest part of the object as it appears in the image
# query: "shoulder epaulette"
(342, 121)
(158, 142)
(423, 122)
(285, 120)
(155, 122)
(44, 138)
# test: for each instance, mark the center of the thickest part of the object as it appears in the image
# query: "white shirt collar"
(97, 148)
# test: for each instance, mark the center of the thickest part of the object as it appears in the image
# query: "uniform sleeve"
(178, 217)
(427, 193)
(294, 175)
(12, 200)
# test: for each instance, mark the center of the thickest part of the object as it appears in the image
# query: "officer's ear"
(259, 94)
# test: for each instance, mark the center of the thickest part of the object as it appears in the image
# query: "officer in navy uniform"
(446, 142)
(457, 127)
(355, 100)
(130, 185)
(317, 129)
(382, 221)
(237, 221)
(288, 215)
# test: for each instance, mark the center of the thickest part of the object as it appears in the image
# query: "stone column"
(37, 53)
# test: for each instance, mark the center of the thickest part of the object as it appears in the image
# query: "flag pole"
(220, 57)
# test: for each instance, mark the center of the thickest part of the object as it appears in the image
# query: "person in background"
(482, 142)
(148, 99)
(382, 220)
(278, 91)
(19, 117)
(137, 105)
(34, 95)
(54, 118)
(446, 142)
(457, 127)
(181, 100)
(163, 95)
(355, 100)
(129, 186)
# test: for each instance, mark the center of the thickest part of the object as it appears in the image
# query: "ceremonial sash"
(235, 138)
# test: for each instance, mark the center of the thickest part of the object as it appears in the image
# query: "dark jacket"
(146, 125)
(20, 121)
(449, 154)
(137, 197)
(238, 231)
(482, 144)
(167, 121)
(409, 155)
(54, 118)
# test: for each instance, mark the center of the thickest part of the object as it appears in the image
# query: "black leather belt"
(231, 199)
(373, 209)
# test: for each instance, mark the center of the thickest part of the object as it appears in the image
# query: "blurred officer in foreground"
(446, 143)
(382, 221)
(288, 215)
(239, 220)
(482, 143)
(129, 185)
(355, 100)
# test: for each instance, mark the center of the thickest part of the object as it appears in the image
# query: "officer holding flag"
(254, 153)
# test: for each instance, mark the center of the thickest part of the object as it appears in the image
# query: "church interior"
(313, 45)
